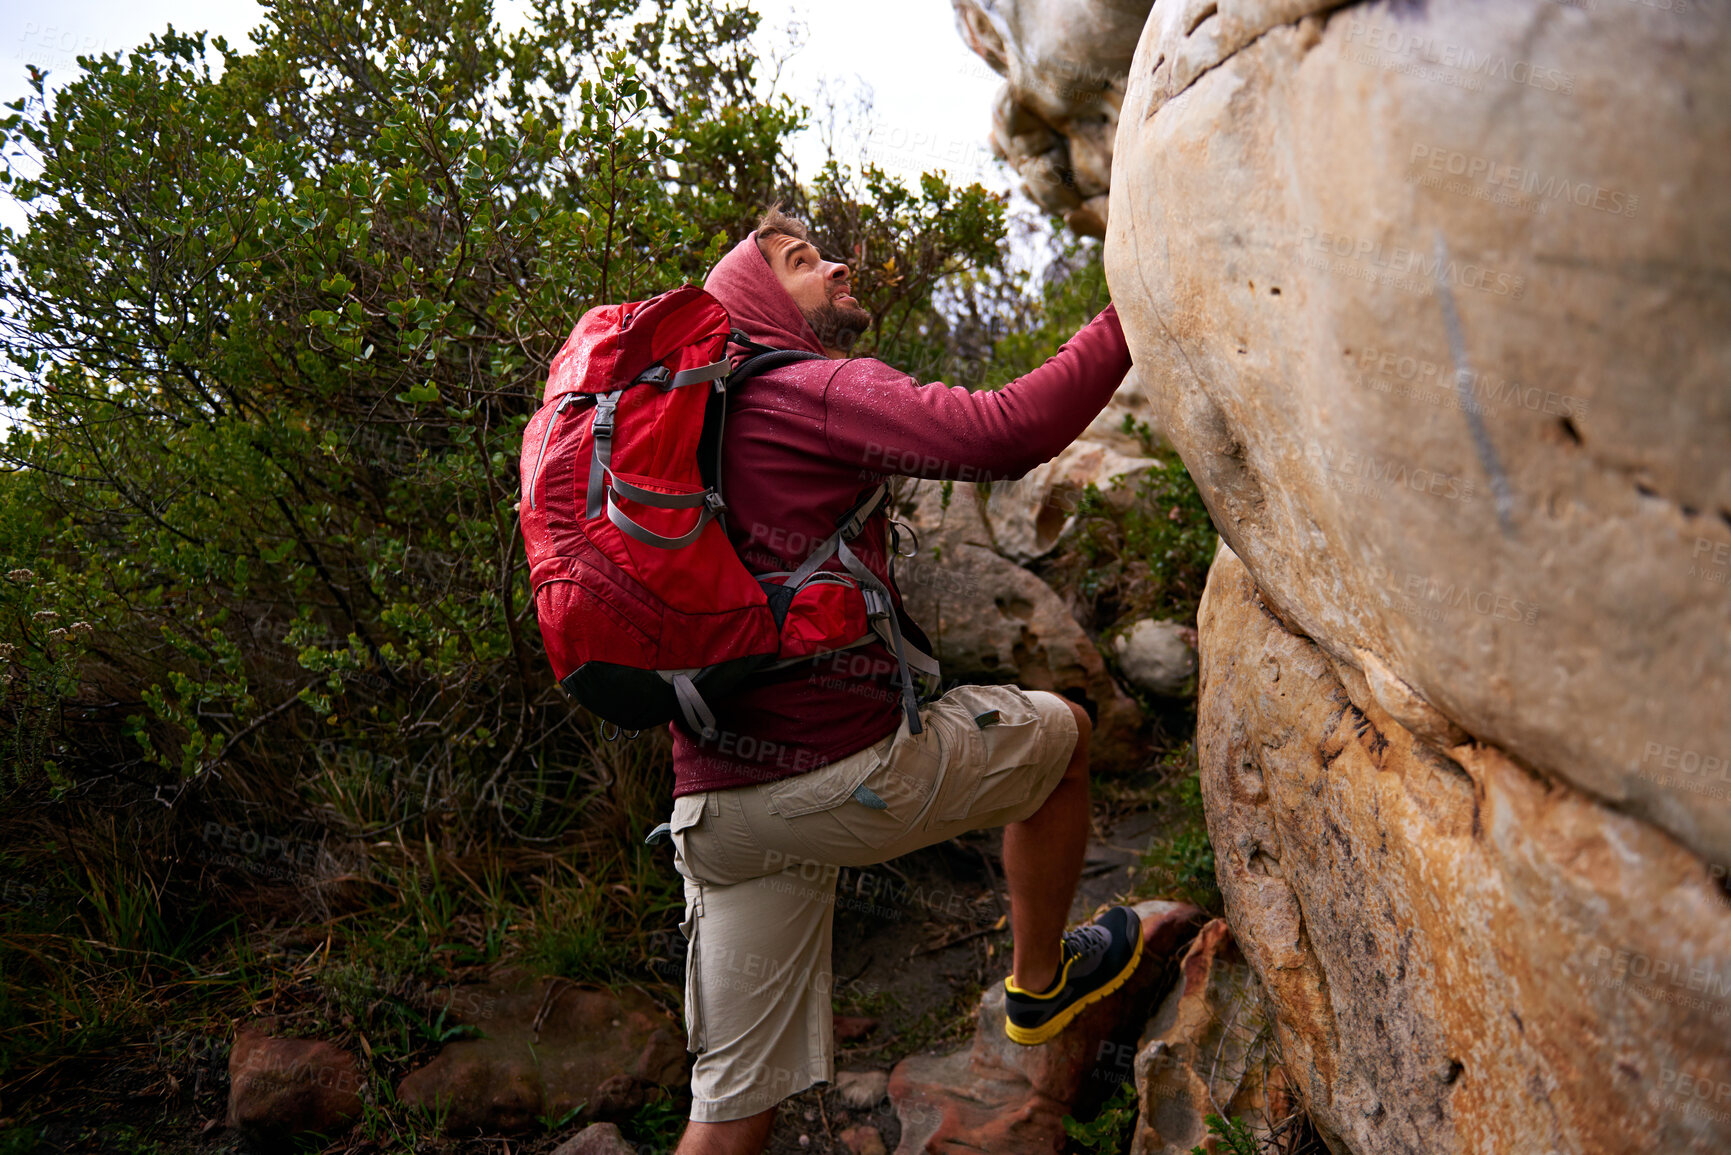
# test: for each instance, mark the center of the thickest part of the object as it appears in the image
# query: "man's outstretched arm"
(888, 422)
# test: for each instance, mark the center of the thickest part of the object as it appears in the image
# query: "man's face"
(821, 289)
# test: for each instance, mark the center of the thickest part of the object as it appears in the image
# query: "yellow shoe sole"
(1034, 1036)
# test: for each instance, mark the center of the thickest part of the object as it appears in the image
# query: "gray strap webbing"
(649, 537)
(657, 375)
(917, 658)
(869, 580)
(601, 460)
(625, 489)
(691, 704)
(710, 372)
(848, 529)
(546, 435)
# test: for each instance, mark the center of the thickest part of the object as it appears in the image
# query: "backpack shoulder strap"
(773, 359)
(764, 358)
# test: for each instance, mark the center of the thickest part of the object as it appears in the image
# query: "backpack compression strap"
(880, 605)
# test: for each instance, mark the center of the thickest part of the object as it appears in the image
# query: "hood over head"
(748, 288)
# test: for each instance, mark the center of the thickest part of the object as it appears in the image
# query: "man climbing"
(819, 766)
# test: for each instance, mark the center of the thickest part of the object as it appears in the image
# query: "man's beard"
(837, 326)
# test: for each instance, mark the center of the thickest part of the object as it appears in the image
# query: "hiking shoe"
(1093, 961)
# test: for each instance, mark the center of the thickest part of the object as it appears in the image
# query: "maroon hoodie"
(803, 443)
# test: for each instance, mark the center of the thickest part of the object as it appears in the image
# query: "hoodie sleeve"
(887, 422)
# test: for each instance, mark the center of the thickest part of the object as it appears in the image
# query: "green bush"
(276, 321)
(1140, 549)
(273, 340)
(1110, 1131)
(1179, 861)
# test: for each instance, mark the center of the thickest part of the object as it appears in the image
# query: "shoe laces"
(1087, 940)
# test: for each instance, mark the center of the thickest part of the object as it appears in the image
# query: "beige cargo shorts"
(760, 865)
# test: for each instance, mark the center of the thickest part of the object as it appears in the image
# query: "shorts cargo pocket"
(687, 812)
(997, 770)
(692, 928)
(828, 786)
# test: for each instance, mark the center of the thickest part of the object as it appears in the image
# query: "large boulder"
(1009, 1099)
(547, 1047)
(282, 1089)
(1064, 64)
(1462, 955)
(1435, 294)
(990, 620)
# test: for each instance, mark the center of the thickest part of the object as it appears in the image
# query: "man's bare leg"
(745, 1136)
(1042, 865)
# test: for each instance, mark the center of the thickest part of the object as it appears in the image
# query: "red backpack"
(645, 608)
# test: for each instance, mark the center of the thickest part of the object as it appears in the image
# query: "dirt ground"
(916, 942)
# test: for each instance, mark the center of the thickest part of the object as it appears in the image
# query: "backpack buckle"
(876, 604)
(602, 427)
(713, 503)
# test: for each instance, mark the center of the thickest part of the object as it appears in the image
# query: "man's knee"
(1084, 731)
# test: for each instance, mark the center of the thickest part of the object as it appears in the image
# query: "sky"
(930, 97)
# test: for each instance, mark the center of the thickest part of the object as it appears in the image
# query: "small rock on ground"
(548, 1047)
(597, 1139)
(863, 1140)
(1157, 656)
(853, 1028)
(862, 1090)
(281, 1088)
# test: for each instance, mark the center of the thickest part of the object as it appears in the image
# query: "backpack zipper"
(546, 435)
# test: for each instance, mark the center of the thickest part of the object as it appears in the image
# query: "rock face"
(547, 1047)
(1207, 1052)
(1462, 955)
(1009, 1099)
(1157, 656)
(1431, 297)
(991, 620)
(282, 1088)
(1435, 297)
(1064, 63)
